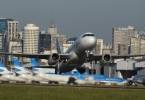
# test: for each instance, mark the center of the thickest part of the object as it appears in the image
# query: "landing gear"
(35, 82)
(53, 82)
(130, 82)
(71, 81)
(57, 68)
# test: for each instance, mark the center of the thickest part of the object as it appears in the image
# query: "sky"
(74, 17)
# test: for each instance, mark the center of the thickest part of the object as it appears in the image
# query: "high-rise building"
(1, 42)
(122, 40)
(13, 30)
(15, 46)
(44, 42)
(99, 46)
(135, 44)
(30, 39)
(107, 48)
(52, 30)
(142, 43)
(4, 34)
(4, 24)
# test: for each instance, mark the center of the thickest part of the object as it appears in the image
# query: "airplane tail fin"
(16, 62)
(17, 65)
(1, 64)
(34, 63)
(3, 69)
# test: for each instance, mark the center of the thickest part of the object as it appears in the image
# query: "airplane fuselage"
(77, 52)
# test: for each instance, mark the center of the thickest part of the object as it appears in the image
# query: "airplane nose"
(89, 43)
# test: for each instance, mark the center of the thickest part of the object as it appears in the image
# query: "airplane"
(75, 56)
(36, 75)
(86, 78)
(29, 75)
(110, 81)
(18, 67)
(48, 77)
(7, 75)
(24, 74)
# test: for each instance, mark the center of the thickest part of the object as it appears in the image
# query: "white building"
(66, 46)
(15, 46)
(99, 46)
(13, 30)
(30, 39)
(121, 40)
(52, 30)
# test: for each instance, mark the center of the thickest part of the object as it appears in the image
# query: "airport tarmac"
(77, 86)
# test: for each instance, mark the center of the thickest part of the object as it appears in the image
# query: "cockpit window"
(88, 35)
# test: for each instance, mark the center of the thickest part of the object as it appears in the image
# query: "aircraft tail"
(18, 68)
(1, 64)
(16, 62)
(3, 69)
(34, 63)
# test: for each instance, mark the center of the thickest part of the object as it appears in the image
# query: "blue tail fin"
(2, 67)
(34, 63)
(16, 62)
(1, 64)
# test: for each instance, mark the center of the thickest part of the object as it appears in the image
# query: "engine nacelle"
(53, 59)
(106, 57)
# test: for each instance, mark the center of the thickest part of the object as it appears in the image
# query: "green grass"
(29, 92)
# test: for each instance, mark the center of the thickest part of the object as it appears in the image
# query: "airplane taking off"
(75, 56)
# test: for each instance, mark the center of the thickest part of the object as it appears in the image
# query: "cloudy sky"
(74, 17)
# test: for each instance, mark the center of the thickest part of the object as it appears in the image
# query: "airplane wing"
(92, 57)
(108, 57)
(40, 56)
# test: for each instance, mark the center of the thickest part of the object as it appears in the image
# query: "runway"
(78, 86)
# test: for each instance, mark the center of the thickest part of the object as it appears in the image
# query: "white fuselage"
(7, 75)
(77, 52)
(54, 78)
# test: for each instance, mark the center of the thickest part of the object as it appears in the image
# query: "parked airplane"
(18, 66)
(85, 78)
(47, 77)
(36, 75)
(137, 80)
(110, 81)
(75, 56)
(24, 74)
(6, 75)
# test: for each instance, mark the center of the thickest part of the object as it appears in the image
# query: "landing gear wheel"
(71, 81)
(130, 83)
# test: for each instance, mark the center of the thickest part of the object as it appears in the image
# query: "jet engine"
(106, 57)
(53, 59)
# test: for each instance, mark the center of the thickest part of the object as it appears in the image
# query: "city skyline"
(77, 16)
